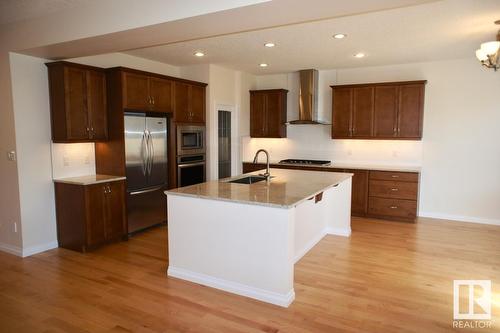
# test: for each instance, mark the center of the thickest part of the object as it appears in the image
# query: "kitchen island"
(245, 238)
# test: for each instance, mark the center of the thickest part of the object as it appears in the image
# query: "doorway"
(224, 120)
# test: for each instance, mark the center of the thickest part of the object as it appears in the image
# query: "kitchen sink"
(248, 180)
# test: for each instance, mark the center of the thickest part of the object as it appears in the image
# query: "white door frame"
(214, 136)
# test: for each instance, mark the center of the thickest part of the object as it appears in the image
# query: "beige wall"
(10, 211)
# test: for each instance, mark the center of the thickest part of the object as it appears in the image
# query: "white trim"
(12, 249)
(39, 248)
(346, 232)
(283, 300)
(459, 218)
(309, 246)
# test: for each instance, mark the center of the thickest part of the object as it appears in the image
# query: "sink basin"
(248, 180)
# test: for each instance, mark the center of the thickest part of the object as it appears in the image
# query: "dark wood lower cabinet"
(383, 194)
(89, 216)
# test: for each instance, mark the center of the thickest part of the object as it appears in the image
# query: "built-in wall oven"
(191, 163)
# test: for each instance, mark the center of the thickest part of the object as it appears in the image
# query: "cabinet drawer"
(390, 175)
(406, 209)
(393, 189)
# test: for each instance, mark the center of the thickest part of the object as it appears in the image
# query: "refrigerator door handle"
(148, 158)
(151, 153)
(147, 191)
(144, 146)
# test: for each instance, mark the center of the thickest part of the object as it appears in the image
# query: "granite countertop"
(89, 180)
(287, 188)
(358, 166)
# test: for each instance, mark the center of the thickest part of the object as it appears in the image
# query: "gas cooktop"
(305, 162)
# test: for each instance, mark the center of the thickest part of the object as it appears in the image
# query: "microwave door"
(135, 152)
(156, 129)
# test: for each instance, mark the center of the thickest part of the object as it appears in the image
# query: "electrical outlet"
(395, 153)
(349, 152)
(87, 159)
(65, 160)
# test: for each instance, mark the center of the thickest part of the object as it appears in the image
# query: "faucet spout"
(267, 174)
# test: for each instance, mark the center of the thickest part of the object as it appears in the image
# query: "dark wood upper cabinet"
(386, 111)
(90, 215)
(189, 103)
(342, 115)
(411, 111)
(390, 110)
(362, 112)
(77, 102)
(268, 113)
(147, 93)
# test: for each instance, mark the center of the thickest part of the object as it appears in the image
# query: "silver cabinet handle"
(394, 189)
(153, 100)
(394, 176)
(393, 207)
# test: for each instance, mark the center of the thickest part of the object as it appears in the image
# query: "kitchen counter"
(349, 165)
(245, 239)
(89, 179)
(286, 189)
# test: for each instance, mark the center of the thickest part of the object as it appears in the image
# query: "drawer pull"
(393, 207)
(394, 176)
(394, 189)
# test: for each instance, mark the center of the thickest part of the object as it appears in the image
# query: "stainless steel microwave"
(190, 140)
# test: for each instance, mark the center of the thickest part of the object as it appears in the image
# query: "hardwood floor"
(388, 277)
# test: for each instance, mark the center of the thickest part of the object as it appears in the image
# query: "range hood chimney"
(308, 98)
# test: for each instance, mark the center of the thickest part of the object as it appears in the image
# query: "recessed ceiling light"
(359, 55)
(339, 36)
(270, 44)
(263, 65)
(199, 54)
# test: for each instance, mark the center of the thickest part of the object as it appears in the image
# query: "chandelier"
(488, 54)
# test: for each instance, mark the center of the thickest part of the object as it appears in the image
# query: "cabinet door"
(359, 194)
(115, 210)
(181, 109)
(96, 102)
(197, 100)
(362, 115)
(273, 115)
(411, 105)
(161, 94)
(342, 112)
(136, 92)
(257, 114)
(386, 111)
(96, 214)
(77, 125)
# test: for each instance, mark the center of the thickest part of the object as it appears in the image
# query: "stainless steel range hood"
(308, 98)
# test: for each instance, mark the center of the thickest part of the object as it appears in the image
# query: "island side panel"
(240, 248)
(338, 209)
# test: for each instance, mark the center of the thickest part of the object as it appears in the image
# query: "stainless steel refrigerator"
(146, 170)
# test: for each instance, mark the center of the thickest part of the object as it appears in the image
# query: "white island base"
(250, 249)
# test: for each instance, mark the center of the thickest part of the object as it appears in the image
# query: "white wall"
(460, 150)
(32, 124)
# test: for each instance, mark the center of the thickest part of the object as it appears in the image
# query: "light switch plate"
(11, 155)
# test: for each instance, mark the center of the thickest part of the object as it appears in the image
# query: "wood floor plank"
(387, 277)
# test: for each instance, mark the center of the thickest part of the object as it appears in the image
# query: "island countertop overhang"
(286, 189)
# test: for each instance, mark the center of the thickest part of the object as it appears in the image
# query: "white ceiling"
(19, 10)
(433, 31)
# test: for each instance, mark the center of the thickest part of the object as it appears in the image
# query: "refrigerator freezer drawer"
(146, 208)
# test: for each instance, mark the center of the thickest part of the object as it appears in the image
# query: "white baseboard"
(309, 246)
(283, 300)
(459, 218)
(346, 232)
(15, 250)
(29, 251)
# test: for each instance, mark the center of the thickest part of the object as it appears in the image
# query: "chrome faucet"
(267, 174)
